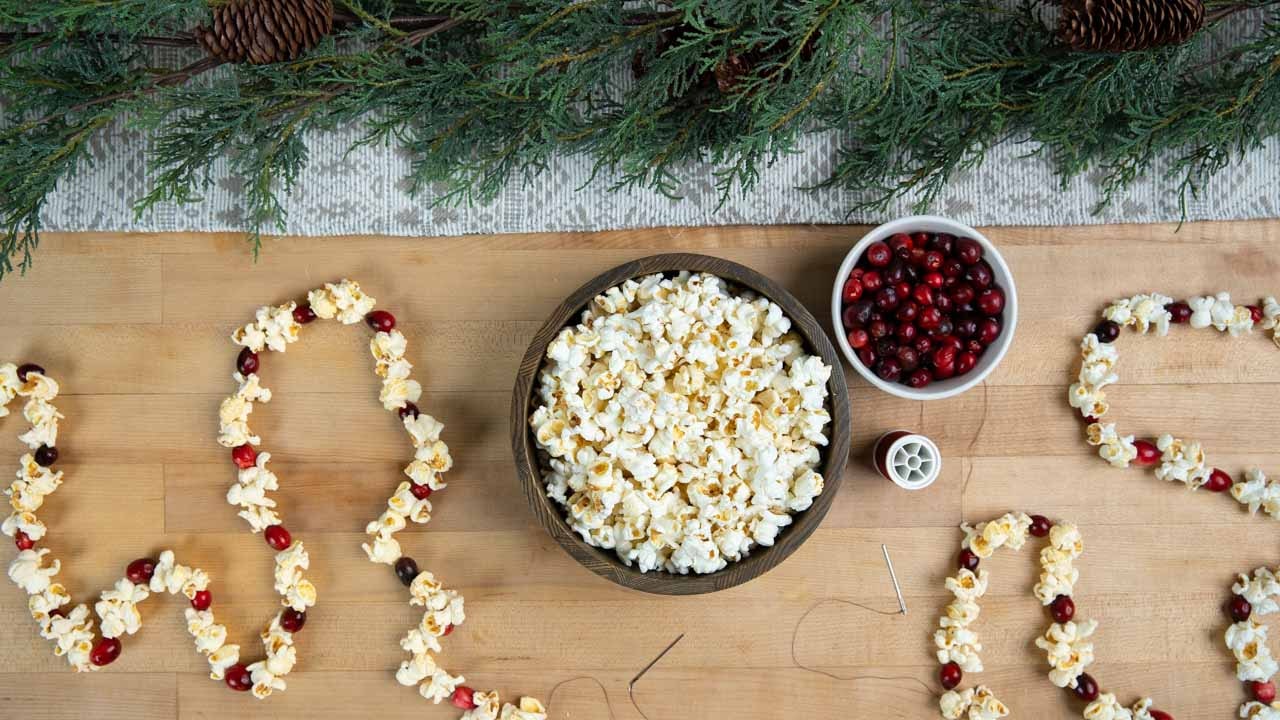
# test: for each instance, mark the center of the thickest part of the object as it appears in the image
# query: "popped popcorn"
(690, 480)
(1068, 650)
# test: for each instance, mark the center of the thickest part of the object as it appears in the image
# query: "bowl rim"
(1000, 269)
(606, 563)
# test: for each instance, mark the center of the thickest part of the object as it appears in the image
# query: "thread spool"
(908, 460)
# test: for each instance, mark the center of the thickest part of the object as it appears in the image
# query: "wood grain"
(136, 328)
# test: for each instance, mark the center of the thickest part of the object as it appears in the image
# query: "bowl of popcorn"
(924, 307)
(680, 424)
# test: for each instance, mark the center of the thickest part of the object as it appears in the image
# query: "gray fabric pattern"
(363, 193)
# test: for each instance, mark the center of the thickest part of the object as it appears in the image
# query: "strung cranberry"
(922, 294)
(448, 630)
(950, 676)
(965, 362)
(1218, 481)
(58, 612)
(980, 275)
(23, 541)
(920, 378)
(923, 344)
(867, 356)
(105, 652)
(943, 302)
(1040, 526)
(991, 301)
(887, 299)
(962, 293)
(406, 570)
(968, 560)
(988, 330)
(1264, 692)
(909, 358)
(409, 410)
(852, 290)
(27, 368)
(1255, 312)
(968, 251)
(966, 325)
(952, 268)
(878, 254)
(46, 455)
(244, 456)
(278, 537)
(1090, 420)
(292, 620)
(1148, 453)
(903, 289)
(889, 369)
(1063, 609)
(1159, 715)
(202, 600)
(862, 312)
(933, 260)
(907, 311)
(929, 318)
(237, 676)
(1239, 609)
(944, 243)
(422, 492)
(934, 280)
(1107, 331)
(139, 571)
(872, 281)
(381, 320)
(463, 698)
(247, 362)
(1086, 687)
(303, 314)
(1180, 311)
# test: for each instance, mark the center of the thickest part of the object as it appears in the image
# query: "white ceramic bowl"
(1000, 273)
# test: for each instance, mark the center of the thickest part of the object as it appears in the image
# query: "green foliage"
(482, 94)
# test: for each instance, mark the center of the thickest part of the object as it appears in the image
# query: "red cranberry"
(904, 290)
(1107, 331)
(944, 243)
(929, 318)
(105, 652)
(968, 560)
(1148, 453)
(202, 600)
(28, 368)
(907, 311)
(917, 256)
(968, 251)
(462, 698)
(1218, 481)
(974, 346)
(1040, 526)
(962, 294)
(238, 678)
(46, 455)
(409, 410)
(247, 362)
(23, 541)
(406, 569)
(1264, 692)
(887, 299)
(139, 571)
(1063, 609)
(988, 330)
(278, 537)
(991, 301)
(923, 295)
(1239, 609)
(920, 378)
(966, 325)
(934, 280)
(867, 356)
(907, 333)
(933, 260)
(852, 290)
(889, 369)
(1086, 688)
(923, 345)
(849, 317)
(1180, 311)
(979, 275)
(862, 312)
(879, 254)
(965, 362)
(872, 281)
(909, 358)
(381, 320)
(1159, 715)
(878, 329)
(422, 492)
(943, 302)
(950, 676)
(950, 341)
(899, 242)
(448, 630)
(244, 456)
(952, 268)
(292, 620)
(1256, 313)
(303, 314)
(944, 372)
(945, 356)
(858, 339)
(920, 239)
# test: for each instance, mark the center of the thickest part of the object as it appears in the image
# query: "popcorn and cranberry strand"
(117, 609)
(1254, 596)
(1174, 459)
(1066, 643)
(274, 329)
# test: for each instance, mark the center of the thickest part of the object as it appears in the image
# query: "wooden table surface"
(135, 327)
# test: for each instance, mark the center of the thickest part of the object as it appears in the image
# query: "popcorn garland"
(1066, 643)
(1174, 459)
(275, 328)
(117, 609)
(1254, 597)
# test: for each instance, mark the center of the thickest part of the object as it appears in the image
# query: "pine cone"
(265, 31)
(1126, 25)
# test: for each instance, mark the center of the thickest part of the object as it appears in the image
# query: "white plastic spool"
(910, 461)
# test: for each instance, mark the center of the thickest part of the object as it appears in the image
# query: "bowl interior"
(1000, 272)
(604, 562)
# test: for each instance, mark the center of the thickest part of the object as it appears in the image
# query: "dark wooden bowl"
(604, 562)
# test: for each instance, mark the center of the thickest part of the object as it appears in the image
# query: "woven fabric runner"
(363, 193)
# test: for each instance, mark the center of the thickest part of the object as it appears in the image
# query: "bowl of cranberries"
(924, 307)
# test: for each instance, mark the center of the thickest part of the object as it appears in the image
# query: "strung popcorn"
(118, 608)
(1068, 651)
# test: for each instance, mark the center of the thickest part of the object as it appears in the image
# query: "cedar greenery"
(482, 94)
